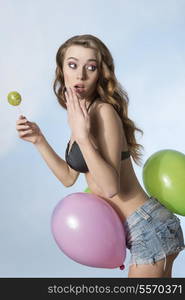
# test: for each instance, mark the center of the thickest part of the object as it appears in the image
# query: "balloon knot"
(122, 267)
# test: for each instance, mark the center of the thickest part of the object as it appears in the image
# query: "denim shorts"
(152, 233)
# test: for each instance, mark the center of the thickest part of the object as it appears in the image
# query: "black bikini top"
(76, 160)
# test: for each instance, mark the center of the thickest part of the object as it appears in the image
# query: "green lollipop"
(14, 98)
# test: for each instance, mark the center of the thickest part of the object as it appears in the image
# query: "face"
(80, 68)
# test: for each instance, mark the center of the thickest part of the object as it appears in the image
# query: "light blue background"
(147, 41)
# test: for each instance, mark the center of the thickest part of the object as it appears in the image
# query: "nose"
(81, 74)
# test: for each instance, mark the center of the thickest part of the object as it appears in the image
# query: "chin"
(83, 96)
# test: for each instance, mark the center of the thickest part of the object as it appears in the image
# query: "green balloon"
(164, 178)
(87, 190)
(14, 98)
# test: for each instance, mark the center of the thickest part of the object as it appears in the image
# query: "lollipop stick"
(20, 111)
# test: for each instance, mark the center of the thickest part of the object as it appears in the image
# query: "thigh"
(156, 235)
(159, 269)
(147, 270)
(168, 269)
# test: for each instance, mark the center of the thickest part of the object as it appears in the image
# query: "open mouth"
(79, 88)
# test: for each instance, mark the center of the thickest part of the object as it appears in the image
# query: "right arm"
(30, 132)
(58, 166)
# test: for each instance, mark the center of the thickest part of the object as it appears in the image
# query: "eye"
(91, 68)
(71, 65)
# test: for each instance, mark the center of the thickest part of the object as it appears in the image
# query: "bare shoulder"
(103, 105)
(105, 121)
(105, 112)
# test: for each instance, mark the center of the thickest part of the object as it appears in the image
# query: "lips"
(79, 88)
(79, 85)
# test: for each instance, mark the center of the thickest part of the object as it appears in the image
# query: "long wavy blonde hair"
(109, 90)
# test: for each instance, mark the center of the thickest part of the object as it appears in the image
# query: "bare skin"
(125, 204)
(130, 197)
(156, 271)
(131, 194)
(81, 69)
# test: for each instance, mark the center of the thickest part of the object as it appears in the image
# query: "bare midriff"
(131, 194)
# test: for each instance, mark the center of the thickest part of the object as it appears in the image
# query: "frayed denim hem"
(153, 260)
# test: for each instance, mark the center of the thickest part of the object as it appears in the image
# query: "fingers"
(21, 120)
(74, 104)
(84, 109)
(66, 96)
(69, 98)
(25, 132)
(22, 127)
(25, 122)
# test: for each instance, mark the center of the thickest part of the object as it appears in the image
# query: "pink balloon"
(89, 231)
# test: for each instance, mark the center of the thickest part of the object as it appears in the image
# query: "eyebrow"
(91, 59)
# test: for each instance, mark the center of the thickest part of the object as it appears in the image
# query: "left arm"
(104, 163)
(104, 166)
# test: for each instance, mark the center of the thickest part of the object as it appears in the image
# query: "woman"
(101, 146)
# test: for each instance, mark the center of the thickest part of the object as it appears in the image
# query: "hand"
(28, 131)
(78, 117)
